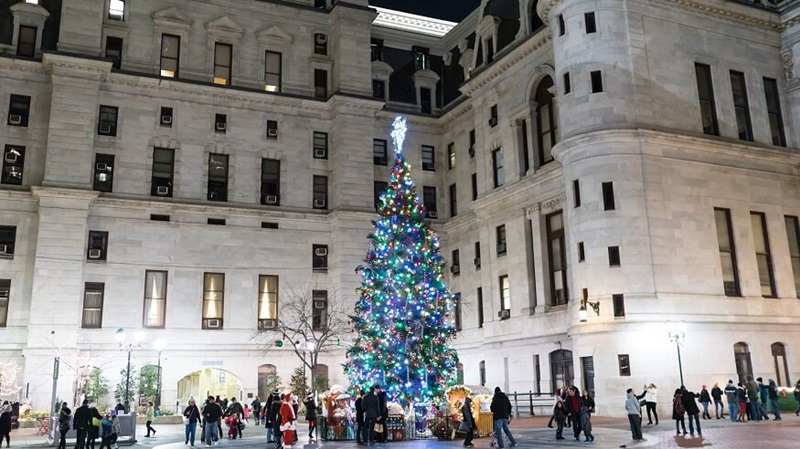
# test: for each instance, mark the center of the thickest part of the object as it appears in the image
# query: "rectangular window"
(97, 249)
(428, 158)
(159, 217)
(500, 233)
(379, 89)
(619, 305)
(19, 110)
(597, 81)
(480, 306)
(216, 221)
(116, 10)
(498, 169)
(107, 121)
(576, 193)
(741, 106)
(455, 262)
(608, 196)
(320, 44)
(451, 155)
(474, 180)
(13, 165)
(477, 260)
(272, 71)
(705, 93)
(613, 256)
(223, 62)
(772, 94)
(5, 294)
(429, 202)
(272, 129)
(493, 117)
(727, 252)
(472, 141)
(26, 41)
(217, 177)
(155, 298)
(425, 100)
(581, 252)
(421, 58)
(537, 375)
(166, 117)
(221, 123)
(93, 293)
(320, 83)
(524, 148)
(267, 302)
(505, 292)
(269, 225)
(319, 258)
(591, 24)
(163, 172)
(624, 365)
(320, 192)
(170, 55)
(562, 26)
(320, 145)
(567, 84)
(793, 236)
(270, 182)
(378, 188)
(213, 300)
(458, 313)
(766, 273)
(557, 255)
(319, 313)
(114, 51)
(453, 200)
(376, 49)
(380, 154)
(8, 239)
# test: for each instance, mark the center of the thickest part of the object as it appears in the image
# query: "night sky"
(453, 10)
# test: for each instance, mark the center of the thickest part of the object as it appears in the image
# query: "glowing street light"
(129, 347)
(677, 335)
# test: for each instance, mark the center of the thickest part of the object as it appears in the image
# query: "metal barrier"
(532, 404)
(126, 436)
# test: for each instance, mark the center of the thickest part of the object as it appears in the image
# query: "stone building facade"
(602, 173)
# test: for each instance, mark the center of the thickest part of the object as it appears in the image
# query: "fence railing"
(532, 404)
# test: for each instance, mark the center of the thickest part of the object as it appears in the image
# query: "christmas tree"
(402, 317)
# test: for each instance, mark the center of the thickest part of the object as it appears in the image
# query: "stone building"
(603, 174)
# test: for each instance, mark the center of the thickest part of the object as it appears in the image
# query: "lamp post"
(311, 345)
(160, 345)
(677, 335)
(128, 346)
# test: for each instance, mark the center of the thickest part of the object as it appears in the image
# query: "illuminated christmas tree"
(402, 317)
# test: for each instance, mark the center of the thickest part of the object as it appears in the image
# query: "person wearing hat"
(311, 415)
(288, 419)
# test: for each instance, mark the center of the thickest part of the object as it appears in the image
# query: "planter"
(176, 419)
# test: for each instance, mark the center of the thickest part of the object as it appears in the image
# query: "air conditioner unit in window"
(321, 39)
(432, 214)
(213, 323)
(320, 152)
(504, 314)
(320, 252)
(3, 249)
(3, 294)
(162, 190)
(493, 121)
(268, 324)
(221, 127)
(272, 133)
(11, 157)
(166, 120)
(102, 166)
(477, 262)
(455, 269)
(15, 119)
(501, 247)
(105, 129)
(471, 151)
(430, 166)
(319, 304)
(94, 253)
(320, 203)
(271, 199)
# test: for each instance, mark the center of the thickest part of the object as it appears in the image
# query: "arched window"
(536, 21)
(546, 122)
(482, 369)
(781, 366)
(744, 366)
(561, 369)
(267, 376)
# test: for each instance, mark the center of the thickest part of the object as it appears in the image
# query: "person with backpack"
(733, 400)
(678, 412)
(106, 428)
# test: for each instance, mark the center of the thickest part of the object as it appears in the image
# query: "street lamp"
(311, 345)
(129, 346)
(160, 345)
(677, 335)
(583, 315)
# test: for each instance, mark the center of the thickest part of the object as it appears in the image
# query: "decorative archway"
(781, 365)
(744, 366)
(561, 369)
(209, 382)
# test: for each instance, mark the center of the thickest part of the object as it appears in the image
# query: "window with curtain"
(155, 298)
(213, 300)
(267, 301)
(93, 293)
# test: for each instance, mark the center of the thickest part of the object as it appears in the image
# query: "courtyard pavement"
(529, 432)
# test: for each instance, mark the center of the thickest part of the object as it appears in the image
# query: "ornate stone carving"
(788, 65)
(553, 204)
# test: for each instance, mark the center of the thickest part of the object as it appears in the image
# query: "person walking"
(678, 412)
(95, 418)
(116, 429)
(560, 417)
(719, 407)
(64, 417)
(256, 405)
(501, 409)
(80, 422)
(468, 420)
(384, 417)
(360, 417)
(212, 414)
(372, 410)
(288, 419)
(585, 415)
(705, 399)
(763, 396)
(733, 400)
(311, 416)
(773, 400)
(797, 398)
(192, 416)
(150, 413)
(573, 403)
(5, 424)
(634, 411)
(236, 413)
(650, 403)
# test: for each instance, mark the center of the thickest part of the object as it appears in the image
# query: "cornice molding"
(63, 65)
(413, 23)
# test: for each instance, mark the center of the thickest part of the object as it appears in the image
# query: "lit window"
(267, 302)
(116, 10)
(170, 55)
(272, 72)
(223, 61)
(213, 300)
(155, 298)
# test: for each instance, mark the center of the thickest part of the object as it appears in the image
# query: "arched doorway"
(561, 369)
(744, 366)
(267, 379)
(208, 382)
(781, 365)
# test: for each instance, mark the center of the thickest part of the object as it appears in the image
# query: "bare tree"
(310, 322)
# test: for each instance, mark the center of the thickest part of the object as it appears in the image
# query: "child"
(677, 412)
(105, 432)
(560, 417)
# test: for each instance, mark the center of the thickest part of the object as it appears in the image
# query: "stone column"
(82, 27)
(534, 214)
(351, 27)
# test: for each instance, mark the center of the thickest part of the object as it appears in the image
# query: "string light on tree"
(402, 318)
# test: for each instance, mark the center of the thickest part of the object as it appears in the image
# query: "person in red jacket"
(287, 420)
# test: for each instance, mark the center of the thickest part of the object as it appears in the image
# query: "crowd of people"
(89, 425)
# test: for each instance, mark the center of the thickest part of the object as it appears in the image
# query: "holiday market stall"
(338, 416)
(481, 400)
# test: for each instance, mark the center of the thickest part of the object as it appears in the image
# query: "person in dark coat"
(678, 412)
(360, 417)
(560, 417)
(501, 408)
(193, 417)
(573, 404)
(311, 415)
(64, 417)
(93, 430)
(382, 437)
(719, 406)
(689, 399)
(5, 424)
(469, 421)
(705, 399)
(372, 411)
(256, 404)
(80, 422)
(274, 420)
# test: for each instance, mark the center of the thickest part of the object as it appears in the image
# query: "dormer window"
(320, 44)
(421, 58)
(116, 10)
